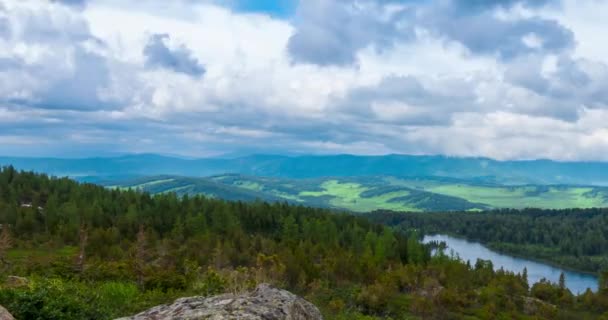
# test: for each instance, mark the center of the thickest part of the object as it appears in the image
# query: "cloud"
(485, 34)
(504, 79)
(507, 135)
(75, 3)
(332, 32)
(566, 85)
(4, 22)
(472, 5)
(407, 101)
(79, 89)
(180, 59)
(52, 61)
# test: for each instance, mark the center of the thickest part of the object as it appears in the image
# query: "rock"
(5, 315)
(533, 305)
(16, 282)
(430, 289)
(264, 303)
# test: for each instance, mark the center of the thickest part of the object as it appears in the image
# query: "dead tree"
(141, 254)
(6, 242)
(83, 237)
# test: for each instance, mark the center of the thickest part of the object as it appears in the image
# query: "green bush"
(211, 283)
(52, 299)
(118, 294)
(165, 280)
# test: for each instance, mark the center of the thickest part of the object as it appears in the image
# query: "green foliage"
(211, 283)
(53, 299)
(113, 293)
(144, 250)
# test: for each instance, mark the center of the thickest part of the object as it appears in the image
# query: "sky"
(200, 78)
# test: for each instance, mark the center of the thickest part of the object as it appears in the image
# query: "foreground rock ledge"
(264, 303)
(5, 315)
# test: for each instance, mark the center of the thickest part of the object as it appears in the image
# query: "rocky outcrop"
(264, 303)
(533, 306)
(5, 315)
(16, 282)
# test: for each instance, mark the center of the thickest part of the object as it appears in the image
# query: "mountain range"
(542, 172)
(349, 182)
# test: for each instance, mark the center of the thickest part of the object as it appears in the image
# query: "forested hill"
(87, 252)
(365, 194)
(478, 169)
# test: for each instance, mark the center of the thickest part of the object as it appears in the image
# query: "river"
(577, 282)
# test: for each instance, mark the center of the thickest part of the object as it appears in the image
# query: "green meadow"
(347, 195)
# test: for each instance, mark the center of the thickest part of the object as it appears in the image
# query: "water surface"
(577, 282)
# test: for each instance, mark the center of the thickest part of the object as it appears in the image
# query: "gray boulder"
(5, 315)
(264, 303)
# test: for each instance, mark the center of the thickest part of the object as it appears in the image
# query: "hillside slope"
(364, 194)
(88, 252)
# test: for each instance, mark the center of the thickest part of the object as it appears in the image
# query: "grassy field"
(364, 194)
(348, 196)
(524, 196)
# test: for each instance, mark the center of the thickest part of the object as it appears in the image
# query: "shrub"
(211, 283)
(52, 299)
(117, 294)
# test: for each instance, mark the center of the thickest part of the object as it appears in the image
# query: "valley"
(365, 194)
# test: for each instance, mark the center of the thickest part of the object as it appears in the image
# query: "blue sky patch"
(276, 8)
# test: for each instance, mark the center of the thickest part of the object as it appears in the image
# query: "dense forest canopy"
(91, 253)
(575, 238)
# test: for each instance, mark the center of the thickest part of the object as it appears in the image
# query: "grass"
(287, 196)
(516, 197)
(250, 185)
(348, 196)
(177, 189)
(28, 255)
(152, 183)
(140, 186)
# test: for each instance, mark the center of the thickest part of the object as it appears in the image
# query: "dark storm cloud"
(181, 59)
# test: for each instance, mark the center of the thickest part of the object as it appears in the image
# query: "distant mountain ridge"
(479, 169)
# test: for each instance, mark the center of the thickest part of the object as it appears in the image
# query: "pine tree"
(562, 281)
(290, 232)
(603, 282)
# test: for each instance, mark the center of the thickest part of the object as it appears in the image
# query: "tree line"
(575, 238)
